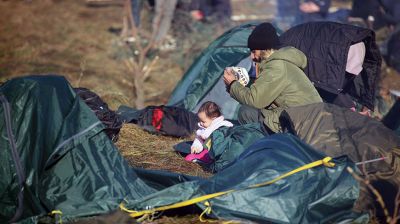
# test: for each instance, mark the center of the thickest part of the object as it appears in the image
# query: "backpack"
(107, 116)
(164, 120)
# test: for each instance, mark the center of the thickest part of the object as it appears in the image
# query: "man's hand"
(365, 111)
(229, 76)
(309, 7)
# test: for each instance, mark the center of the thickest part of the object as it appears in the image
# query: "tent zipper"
(15, 156)
(57, 150)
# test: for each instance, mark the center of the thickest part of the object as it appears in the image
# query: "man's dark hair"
(211, 109)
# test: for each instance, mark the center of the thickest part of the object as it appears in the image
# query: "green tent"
(56, 157)
(203, 82)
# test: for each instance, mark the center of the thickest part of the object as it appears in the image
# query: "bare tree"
(139, 64)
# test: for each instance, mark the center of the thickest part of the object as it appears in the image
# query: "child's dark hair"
(211, 109)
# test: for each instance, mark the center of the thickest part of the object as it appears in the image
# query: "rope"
(206, 211)
(325, 161)
(371, 161)
(56, 213)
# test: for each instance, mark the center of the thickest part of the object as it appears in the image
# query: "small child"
(210, 120)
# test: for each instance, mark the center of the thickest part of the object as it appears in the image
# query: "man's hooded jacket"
(281, 84)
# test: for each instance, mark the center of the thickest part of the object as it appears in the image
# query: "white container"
(241, 75)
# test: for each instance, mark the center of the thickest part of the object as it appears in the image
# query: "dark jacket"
(326, 45)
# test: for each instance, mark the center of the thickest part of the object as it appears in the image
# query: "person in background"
(392, 118)
(294, 12)
(313, 10)
(202, 10)
(164, 13)
(161, 23)
(281, 82)
(287, 13)
(377, 13)
(136, 8)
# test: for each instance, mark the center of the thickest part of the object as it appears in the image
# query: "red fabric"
(158, 114)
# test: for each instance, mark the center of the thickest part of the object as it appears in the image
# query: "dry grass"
(72, 39)
(61, 37)
(149, 151)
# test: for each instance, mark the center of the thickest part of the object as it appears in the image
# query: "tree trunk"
(139, 91)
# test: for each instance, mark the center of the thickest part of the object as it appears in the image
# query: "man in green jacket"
(280, 82)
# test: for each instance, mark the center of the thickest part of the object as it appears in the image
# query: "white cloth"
(203, 133)
(395, 92)
(355, 58)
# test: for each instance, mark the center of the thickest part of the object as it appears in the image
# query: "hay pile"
(145, 150)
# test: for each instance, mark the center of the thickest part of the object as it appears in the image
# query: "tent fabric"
(339, 131)
(228, 50)
(320, 194)
(227, 143)
(67, 161)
